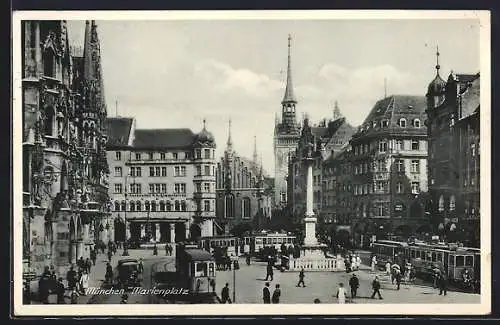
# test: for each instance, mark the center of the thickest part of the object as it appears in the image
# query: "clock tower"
(286, 136)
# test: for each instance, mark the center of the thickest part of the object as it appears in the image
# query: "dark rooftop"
(163, 138)
(118, 129)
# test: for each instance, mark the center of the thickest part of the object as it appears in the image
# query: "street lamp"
(125, 243)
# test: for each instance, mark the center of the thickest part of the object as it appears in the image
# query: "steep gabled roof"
(470, 98)
(396, 105)
(163, 138)
(118, 129)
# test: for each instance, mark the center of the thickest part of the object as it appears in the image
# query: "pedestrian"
(44, 286)
(266, 294)
(109, 273)
(358, 262)
(376, 288)
(71, 278)
(374, 262)
(141, 266)
(124, 299)
(110, 254)
(276, 295)
(84, 282)
(88, 265)
(443, 284)
(354, 284)
(353, 262)
(74, 296)
(317, 301)
(166, 249)
(269, 272)
(398, 277)
(155, 250)
(81, 263)
(388, 267)
(93, 256)
(301, 278)
(341, 294)
(225, 294)
(60, 291)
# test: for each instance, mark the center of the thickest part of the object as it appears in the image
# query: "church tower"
(286, 135)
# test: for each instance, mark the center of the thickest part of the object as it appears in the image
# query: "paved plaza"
(250, 281)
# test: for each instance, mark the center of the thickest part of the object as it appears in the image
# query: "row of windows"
(207, 154)
(151, 206)
(154, 188)
(161, 171)
(382, 187)
(385, 145)
(402, 122)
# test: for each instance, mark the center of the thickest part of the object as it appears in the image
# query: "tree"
(239, 229)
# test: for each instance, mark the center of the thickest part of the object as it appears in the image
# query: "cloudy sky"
(173, 74)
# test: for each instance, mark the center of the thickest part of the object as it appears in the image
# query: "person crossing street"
(376, 288)
(354, 284)
(301, 278)
(266, 294)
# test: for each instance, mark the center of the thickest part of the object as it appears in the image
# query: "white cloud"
(225, 78)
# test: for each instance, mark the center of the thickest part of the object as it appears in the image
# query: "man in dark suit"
(266, 294)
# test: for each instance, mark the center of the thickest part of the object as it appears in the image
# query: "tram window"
(192, 269)
(460, 261)
(212, 244)
(428, 256)
(439, 257)
(264, 241)
(232, 242)
(433, 256)
(469, 260)
(275, 240)
(258, 241)
(201, 269)
(451, 261)
(280, 240)
(211, 269)
(412, 254)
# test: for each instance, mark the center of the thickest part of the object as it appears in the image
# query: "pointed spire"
(289, 95)
(437, 60)
(204, 123)
(87, 52)
(229, 140)
(255, 150)
(336, 111)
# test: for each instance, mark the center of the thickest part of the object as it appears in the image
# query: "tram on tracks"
(193, 279)
(451, 259)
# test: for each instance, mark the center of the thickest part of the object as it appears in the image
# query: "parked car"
(127, 274)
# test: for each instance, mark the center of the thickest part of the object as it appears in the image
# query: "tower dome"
(204, 136)
(437, 85)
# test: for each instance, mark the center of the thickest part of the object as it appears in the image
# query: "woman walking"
(341, 294)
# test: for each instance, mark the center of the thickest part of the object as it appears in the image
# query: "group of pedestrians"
(266, 294)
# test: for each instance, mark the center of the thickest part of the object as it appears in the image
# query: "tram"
(263, 242)
(229, 244)
(425, 257)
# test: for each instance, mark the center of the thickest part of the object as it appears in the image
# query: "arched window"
(245, 208)
(124, 206)
(138, 205)
(230, 206)
(117, 206)
(162, 206)
(132, 206)
(402, 122)
(441, 204)
(48, 63)
(153, 205)
(169, 206)
(183, 205)
(416, 123)
(147, 206)
(177, 206)
(452, 203)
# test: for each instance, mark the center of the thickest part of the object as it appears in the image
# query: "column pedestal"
(157, 232)
(143, 230)
(172, 232)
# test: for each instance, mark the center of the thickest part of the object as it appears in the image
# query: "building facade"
(454, 156)
(65, 171)
(162, 182)
(286, 137)
(389, 170)
(244, 195)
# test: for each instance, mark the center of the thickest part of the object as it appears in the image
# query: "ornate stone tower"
(286, 136)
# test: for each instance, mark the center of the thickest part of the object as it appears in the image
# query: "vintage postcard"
(321, 162)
